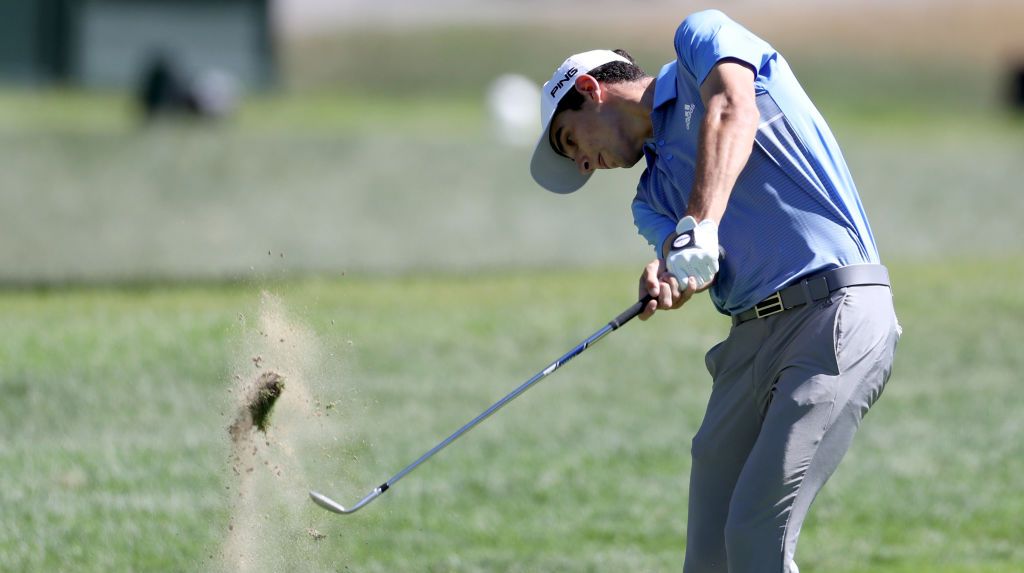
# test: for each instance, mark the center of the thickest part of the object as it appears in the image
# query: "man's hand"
(664, 288)
(694, 252)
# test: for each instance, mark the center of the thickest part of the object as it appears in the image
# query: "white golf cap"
(551, 170)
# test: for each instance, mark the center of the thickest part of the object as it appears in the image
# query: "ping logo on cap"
(568, 76)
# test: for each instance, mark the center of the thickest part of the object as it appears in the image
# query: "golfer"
(745, 194)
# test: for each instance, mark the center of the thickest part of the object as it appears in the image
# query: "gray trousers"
(789, 393)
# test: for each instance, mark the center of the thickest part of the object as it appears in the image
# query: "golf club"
(627, 315)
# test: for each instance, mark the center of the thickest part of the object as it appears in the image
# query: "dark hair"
(611, 73)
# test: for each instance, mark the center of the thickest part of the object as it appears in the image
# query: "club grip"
(638, 307)
(631, 312)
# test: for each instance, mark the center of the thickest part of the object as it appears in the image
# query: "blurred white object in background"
(513, 104)
(216, 92)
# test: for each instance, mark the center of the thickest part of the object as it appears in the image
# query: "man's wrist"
(666, 247)
(687, 223)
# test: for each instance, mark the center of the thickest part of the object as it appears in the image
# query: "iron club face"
(331, 505)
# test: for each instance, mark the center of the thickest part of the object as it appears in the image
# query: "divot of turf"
(268, 390)
(255, 412)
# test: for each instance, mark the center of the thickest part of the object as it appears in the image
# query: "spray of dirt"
(280, 424)
(254, 413)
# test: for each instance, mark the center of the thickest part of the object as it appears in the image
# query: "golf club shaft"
(614, 324)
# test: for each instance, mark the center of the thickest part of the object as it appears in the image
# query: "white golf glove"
(694, 252)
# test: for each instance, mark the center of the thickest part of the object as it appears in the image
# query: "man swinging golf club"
(738, 157)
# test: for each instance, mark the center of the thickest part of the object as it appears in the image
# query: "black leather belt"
(814, 288)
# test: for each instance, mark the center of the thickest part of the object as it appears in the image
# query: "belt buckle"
(769, 306)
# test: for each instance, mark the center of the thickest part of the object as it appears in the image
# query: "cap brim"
(552, 171)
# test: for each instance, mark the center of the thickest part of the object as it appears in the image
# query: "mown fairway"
(458, 285)
(119, 401)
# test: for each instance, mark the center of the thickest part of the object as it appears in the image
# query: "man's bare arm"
(726, 137)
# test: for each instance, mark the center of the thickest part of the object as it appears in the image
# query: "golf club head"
(333, 506)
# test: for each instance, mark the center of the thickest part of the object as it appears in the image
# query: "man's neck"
(645, 104)
(635, 101)
(647, 98)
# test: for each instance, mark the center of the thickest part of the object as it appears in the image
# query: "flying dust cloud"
(280, 424)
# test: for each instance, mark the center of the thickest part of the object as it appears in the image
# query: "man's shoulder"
(711, 15)
(702, 22)
(706, 37)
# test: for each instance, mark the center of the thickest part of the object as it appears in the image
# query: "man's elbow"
(738, 111)
(748, 117)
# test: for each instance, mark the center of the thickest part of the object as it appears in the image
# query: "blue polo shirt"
(794, 209)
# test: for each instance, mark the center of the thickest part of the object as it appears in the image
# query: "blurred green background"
(375, 134)
(365, 188)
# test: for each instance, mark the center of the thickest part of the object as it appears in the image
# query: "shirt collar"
(664, 92)
(665, 87)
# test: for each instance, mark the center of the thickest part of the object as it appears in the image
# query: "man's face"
(594, 137)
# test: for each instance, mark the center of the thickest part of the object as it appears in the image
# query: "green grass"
(74, 113)
(113, 202)
(119, 400)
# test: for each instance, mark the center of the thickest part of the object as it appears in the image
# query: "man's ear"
(588, 87)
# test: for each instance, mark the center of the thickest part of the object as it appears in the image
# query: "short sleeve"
(653, 226)
(705, 38)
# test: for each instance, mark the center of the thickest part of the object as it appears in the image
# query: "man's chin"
(632, 161)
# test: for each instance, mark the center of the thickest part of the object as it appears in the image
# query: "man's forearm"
(724, 147)
(726, 139)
